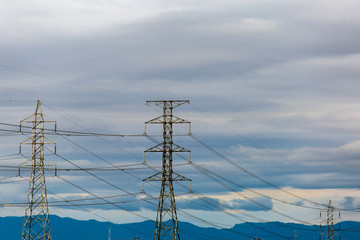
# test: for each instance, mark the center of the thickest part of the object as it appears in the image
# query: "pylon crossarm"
(29, 141)
(157, 148)
(179, 177)
(175, 103)
(177, 148)
(50, 119)
(26, 119)
(157, 120)
(51, 164)
(42, 121)
(160, 120)
(26, 166)
(179, 120)
(155, 177)
(49, 141)
(25, 163)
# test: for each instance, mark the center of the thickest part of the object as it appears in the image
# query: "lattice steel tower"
(37, 221)
(329, 221)
(166, 227)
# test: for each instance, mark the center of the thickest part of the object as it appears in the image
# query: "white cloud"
(242, 26)
(36, 20)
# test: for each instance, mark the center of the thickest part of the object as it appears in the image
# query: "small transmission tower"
(37, 221)
(167, 229)
(329, 221)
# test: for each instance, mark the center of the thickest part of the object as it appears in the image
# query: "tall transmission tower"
(329, 221)
(37, 222)
(166, 227)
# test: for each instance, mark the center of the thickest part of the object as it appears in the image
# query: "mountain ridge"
(72, 229)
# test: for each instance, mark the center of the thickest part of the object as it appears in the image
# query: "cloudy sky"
(273, 88)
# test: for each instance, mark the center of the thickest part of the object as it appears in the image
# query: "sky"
(273, 88)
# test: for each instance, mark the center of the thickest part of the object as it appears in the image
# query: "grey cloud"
(201, 203)
(305, 167)
(214, 204)
(277, 81)
(349, 202)
(170, 47)
(256, 204)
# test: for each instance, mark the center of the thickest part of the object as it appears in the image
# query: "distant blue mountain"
(71, 229)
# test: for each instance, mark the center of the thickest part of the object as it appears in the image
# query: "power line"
(150, 195)
(101, 179)
(85, 209)
(66, 132)
(116, 168)
(197, 139)
(212, 203)
(206, 171)
(235, 132)
(83, 85)
(103, 199)
(13, 181)
(254, 201)
(97, 156)
(16, 204)
(9, 155)
(229, 188)
(103, 160)
(116, 205)
(70, 133)
(226, 186)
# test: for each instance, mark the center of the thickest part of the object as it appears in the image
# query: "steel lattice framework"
(37, 222)
(166, 227)
(329, 233)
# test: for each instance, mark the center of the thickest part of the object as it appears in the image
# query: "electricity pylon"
(329, 221)
(167, 229)
(37, 222)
